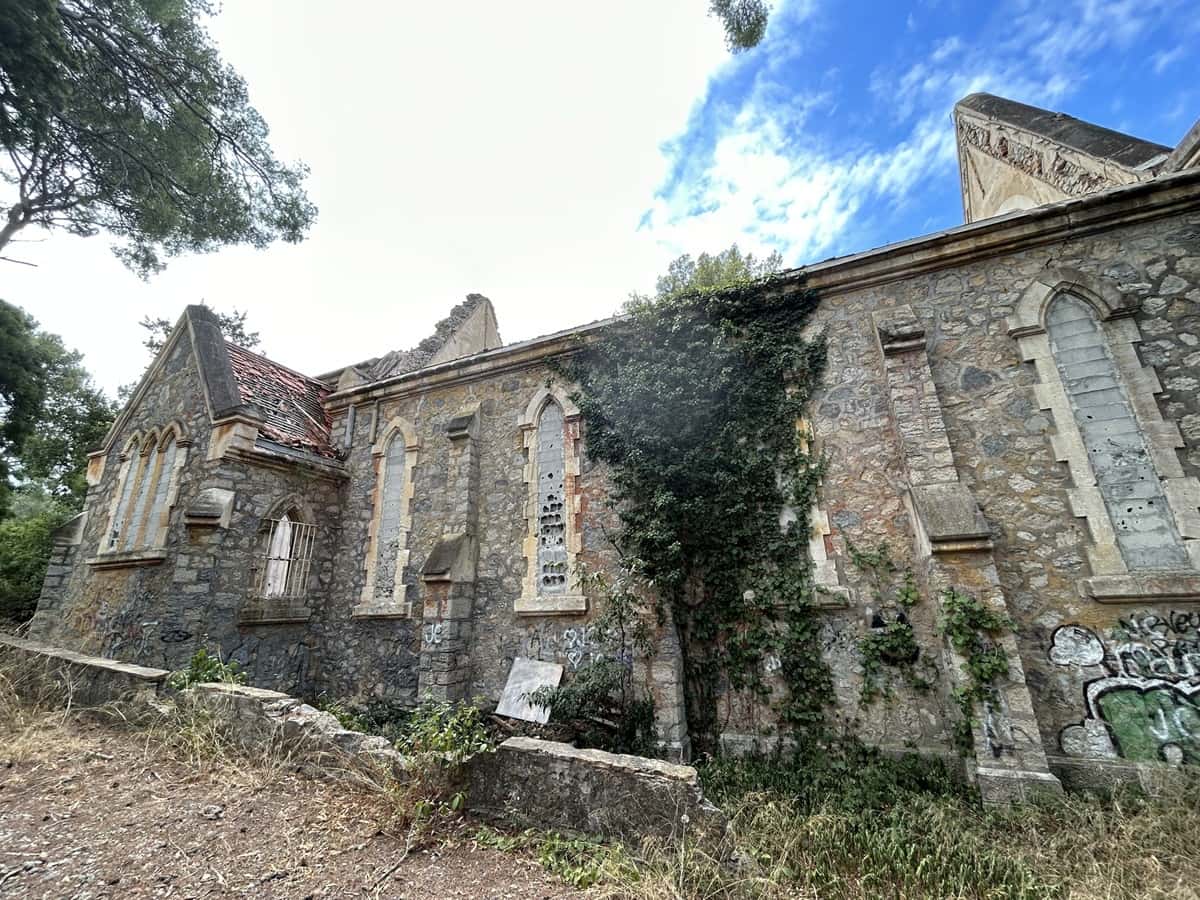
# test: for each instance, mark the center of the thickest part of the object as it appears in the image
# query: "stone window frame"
(1111, 580)
(140, 501)
(572, 601)
(400, 606)
(293, 606)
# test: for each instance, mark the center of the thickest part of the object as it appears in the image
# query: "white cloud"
(764, 180)
(483, 147)
(1166, 58)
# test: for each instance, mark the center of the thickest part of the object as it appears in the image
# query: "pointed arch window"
(384, 591)
(551, 428)
(145, 494)
(1142, 513)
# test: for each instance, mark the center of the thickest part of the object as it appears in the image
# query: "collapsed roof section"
(291, 405)
(469, 329)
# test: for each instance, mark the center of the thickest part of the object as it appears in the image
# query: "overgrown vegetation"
(577, 861)
(205, 667)
(891, 645)
(694, 401)
(972, 628)
(858, 825)
(602, 704)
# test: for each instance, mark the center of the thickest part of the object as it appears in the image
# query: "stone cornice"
(963, 244)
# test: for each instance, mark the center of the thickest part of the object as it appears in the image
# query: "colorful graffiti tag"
(1145, 704)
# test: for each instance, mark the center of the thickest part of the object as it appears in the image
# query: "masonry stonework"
(950, 432)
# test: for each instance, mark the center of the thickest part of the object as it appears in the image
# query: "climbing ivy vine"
(890, 647)
(972, 630)
(694, 401)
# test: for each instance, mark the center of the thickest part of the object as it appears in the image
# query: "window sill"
(257, 614)
(381, 612)
(127, 559)
(1142, 587)
(565, 605)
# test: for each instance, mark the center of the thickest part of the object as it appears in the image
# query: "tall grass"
(860, 826)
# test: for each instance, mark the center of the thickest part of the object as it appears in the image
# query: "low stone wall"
(547, 784)
(258, 718)
(527, 782)
(87, 680)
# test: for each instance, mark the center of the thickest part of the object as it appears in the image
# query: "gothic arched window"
(553, 539)
(146, 492)
(384, 591)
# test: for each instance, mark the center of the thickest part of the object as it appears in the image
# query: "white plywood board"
(525, 677)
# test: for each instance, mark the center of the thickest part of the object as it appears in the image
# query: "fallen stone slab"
(533, 783)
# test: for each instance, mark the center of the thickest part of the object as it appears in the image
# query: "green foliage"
(745, 21)
(25, 546)
(891, 644)
(119, 115)
(576, 861)
(385, 718)
(51, 414)
(452, 731)
(601, 703)
(711, 271)
(22, 388)
(971, 628)
(205, 668)
(233, 329)
(694, 401)
(845, 774)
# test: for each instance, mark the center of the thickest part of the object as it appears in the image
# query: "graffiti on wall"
(1144, 703)
(575, 645)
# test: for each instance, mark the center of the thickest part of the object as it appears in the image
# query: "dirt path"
(89, 812)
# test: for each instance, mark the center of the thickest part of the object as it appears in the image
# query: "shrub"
(205, 667)
(25, 546)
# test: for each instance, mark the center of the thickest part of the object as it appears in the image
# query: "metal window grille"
(283, 572)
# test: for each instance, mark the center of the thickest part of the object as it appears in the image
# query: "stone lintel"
(1142, 587)
(950, 518)
(452, 560)
(899, 330)
(70, 532)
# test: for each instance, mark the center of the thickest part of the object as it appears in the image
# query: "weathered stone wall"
(958, 408)
(1000, 439)
(379, 656)
(159, 613)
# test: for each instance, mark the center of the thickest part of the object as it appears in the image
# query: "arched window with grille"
(284, 560)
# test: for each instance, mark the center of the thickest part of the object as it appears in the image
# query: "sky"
(556, 156)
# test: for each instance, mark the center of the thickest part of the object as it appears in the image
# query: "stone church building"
(1012, 405)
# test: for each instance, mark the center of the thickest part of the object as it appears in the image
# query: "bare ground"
(90, 811)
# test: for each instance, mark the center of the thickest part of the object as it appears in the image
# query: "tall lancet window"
(553, 538)
(552, 514)
(148, 484)
(384, 593)
(1132, 492)
(1127, 482)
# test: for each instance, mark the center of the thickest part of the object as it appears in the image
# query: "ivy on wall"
(694, 403)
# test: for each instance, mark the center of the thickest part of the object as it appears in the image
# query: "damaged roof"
(291, 404)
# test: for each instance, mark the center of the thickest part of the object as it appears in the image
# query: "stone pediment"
(1013, 156)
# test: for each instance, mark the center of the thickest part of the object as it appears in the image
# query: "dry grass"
(924, 845)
